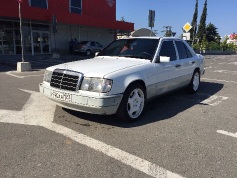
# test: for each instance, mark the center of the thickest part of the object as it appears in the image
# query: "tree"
(202, 25)
(211, 33)
(193, 30)
(122, 19)
(168, 31)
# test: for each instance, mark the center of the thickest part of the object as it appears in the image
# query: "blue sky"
(175, 13)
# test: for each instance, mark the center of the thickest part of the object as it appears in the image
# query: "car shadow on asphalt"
(161, 108)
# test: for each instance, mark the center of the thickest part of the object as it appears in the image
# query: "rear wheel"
(132, 104)
(195, 82)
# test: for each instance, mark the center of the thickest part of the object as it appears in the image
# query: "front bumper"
(90, 104)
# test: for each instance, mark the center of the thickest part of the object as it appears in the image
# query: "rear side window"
(92, 43)
(188, 51)
(183, 50)
(168, 49)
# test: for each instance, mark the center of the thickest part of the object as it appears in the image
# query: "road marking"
(39, 111)
(235, 63)
(208, 67)
(227, 133)
(220, 80)
(212, 100)
(225, 71)
(13, 75)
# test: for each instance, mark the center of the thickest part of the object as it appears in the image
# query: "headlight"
(96, 85)
(48, 76)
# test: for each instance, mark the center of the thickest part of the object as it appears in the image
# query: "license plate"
(61, 96)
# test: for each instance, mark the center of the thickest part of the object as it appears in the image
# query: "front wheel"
(195, 82)
(132, 104)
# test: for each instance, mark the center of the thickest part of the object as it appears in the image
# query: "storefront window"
(39, 3)
(75, 6)
(40, 27)
(27, 41)
(6, 24)
(17, 41)
(36, 38)
(6, 41)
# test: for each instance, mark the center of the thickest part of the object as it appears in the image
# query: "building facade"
(49, 25)
(232, 39)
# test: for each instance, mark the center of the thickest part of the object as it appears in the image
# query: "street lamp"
(22, 66)
(22, 45)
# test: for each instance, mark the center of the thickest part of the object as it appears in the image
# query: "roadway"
(180, 135)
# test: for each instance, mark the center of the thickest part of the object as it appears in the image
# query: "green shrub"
(196, 46)
(214, 46)
(232, 47)
(228, 47)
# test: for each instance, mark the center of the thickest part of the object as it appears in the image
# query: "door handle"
(193, 62)
(177, 65)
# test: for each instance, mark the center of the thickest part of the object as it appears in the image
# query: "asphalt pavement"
(180, 135)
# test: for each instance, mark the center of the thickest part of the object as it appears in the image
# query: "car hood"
(100, 66)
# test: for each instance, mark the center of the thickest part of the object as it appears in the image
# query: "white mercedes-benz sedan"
(124, 76)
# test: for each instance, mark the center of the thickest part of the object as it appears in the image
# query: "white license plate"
(61, 96)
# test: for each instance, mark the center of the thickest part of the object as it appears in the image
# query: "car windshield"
(133, 48)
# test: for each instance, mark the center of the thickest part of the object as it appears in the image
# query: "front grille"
(66, 79)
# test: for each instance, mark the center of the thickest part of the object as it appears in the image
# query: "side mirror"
(164, 59)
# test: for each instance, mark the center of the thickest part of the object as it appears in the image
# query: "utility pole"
(22, 66)
(22, 44)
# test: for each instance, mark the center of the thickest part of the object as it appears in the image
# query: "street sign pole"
(22, 44)
(22, 66)
(187, 28)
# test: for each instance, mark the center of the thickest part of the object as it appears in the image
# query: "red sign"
(20, 1)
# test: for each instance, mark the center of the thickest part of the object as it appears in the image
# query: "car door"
(167, 73)
(187, 62)
(93, 47)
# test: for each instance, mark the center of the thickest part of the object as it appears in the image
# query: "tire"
(195, 82)
(132, 104)
(88, 52)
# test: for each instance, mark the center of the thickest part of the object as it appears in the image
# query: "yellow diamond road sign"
(187, 27)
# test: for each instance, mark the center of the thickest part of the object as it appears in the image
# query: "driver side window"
(168, 50)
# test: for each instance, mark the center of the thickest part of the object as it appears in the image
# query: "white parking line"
(208, 67)
(39, 111)
(212, 100)
(227, 133)
(225, 71)
(13, 75)
(120, 155)
(235, 63)
(219, 80)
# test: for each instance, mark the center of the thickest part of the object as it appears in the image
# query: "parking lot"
(180, 135)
